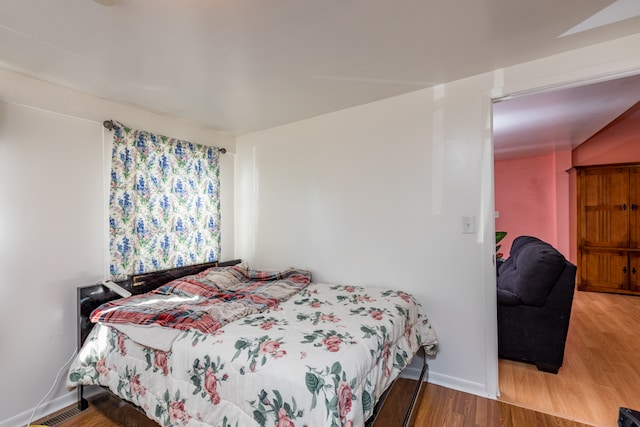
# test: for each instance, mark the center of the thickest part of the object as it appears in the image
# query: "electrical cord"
(33, 413)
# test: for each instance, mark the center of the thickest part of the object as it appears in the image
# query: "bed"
(305, 353)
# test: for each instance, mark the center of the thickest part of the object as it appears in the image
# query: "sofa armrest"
(561, 295)
(508, 298)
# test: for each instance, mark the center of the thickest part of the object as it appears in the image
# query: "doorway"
(535, 136)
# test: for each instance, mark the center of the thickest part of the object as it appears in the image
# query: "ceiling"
(560, 119)
(243, 65)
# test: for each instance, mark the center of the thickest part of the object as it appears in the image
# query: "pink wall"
(532, 198)
(618, 144)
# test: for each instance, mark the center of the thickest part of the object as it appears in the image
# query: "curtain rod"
(108, 124)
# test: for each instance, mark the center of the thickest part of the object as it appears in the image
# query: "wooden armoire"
(609, 228)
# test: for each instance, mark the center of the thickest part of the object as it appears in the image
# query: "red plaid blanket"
(206, 301)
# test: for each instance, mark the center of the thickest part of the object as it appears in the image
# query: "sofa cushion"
(530, 272)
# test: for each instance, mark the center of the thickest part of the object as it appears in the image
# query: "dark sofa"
(535, 293)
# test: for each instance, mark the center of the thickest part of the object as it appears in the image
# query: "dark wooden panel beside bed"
(127, 414)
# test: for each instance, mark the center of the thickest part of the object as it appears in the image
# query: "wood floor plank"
(601, 370)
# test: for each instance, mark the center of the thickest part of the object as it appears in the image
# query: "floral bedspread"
(321, 358)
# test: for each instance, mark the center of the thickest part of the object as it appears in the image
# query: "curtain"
(164, 204)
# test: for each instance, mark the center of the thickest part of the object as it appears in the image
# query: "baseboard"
(458, 384)
(45, 409)
(478, 389)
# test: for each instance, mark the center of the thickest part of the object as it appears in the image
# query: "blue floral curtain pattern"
(164, 205)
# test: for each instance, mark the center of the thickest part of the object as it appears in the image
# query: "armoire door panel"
(605, 209)
(634, 208)
(634, 271)
(604, 270)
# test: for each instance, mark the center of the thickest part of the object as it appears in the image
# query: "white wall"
(376, 195)
(53, 222)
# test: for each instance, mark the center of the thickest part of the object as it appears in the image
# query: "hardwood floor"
(443, 407)
(601, 370)
(439, 407)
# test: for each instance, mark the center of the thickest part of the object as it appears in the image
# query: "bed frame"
(128, 414)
